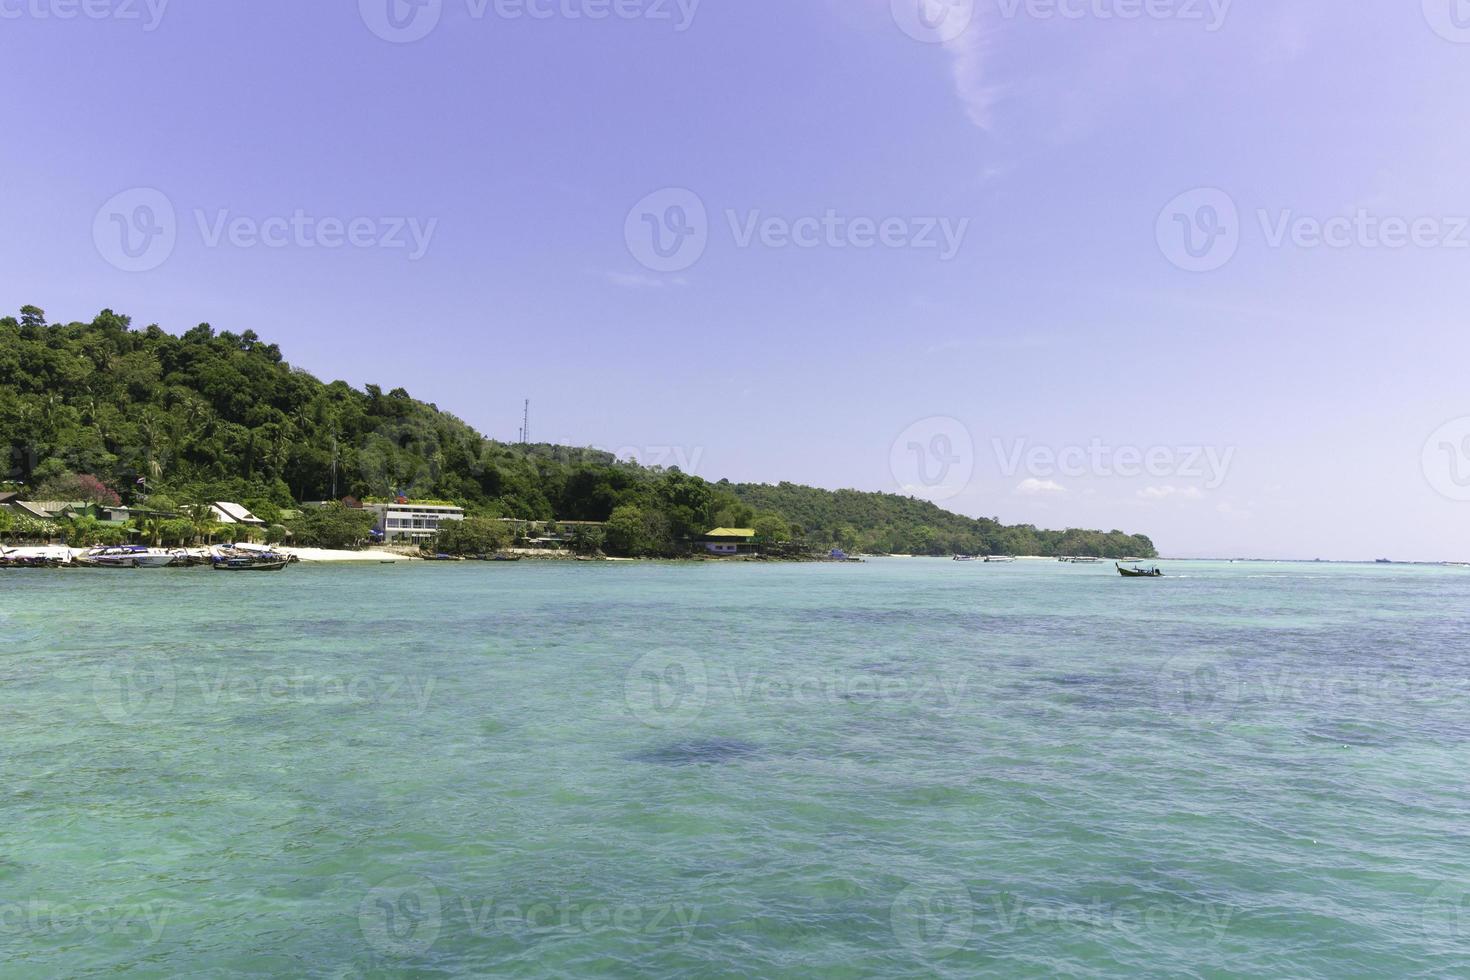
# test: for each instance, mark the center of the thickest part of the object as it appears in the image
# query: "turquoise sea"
(903, 768)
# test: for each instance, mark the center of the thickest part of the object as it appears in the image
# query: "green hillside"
(212, 415)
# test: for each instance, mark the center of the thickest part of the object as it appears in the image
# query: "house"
(228, 513)
(45, 510)
(728, 541)
(407, 520)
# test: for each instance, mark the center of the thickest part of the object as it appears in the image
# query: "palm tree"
(201, 516)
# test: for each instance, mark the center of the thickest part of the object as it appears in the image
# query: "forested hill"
(101, 408)
(890, 524)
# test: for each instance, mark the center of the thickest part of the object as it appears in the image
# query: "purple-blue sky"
(1227, 236)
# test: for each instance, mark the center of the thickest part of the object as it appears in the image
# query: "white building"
(412, 521)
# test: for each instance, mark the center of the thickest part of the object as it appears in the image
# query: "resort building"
(407, 520)
(727, 541)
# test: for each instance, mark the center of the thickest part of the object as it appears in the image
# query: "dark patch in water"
(697, 752)
(1350, 733)
(1077, 680)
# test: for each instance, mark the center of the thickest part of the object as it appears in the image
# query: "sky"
(1191, 268)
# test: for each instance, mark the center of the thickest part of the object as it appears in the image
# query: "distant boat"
(966, 558)
(1140, 572)
(999, 559)
(1384, 561)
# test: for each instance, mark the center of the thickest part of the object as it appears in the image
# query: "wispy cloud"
(638, 280)
(1021, 342)
(969, 56)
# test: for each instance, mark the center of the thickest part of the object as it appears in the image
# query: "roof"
(28, 509)
(731, 532)
(49, 509)
(229, 513)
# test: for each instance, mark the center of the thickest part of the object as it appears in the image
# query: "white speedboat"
(126, 556)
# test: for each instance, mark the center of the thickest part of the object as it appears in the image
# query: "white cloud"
(1168, 492)
(1039, 488)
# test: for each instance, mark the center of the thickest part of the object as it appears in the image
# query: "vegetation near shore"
(100, 411)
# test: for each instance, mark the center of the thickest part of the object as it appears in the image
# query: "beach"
(304, 554)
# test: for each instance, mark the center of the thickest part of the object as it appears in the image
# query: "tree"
(472, 536)
(74, 486)
(585, 540)
(176, 531)
(202, 518)
(771, 529)
(626, 532)
(333, 526)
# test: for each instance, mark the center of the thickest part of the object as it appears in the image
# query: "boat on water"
(249, 558)
(14, 558)
(255, 564)
(999, 560)
(966, 557)
(1137, 572)
(124, 556)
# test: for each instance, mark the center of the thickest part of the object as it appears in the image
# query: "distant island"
(104, 413)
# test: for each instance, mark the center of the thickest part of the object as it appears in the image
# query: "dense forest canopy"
(104, 409)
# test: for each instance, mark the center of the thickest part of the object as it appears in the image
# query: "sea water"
(899, 768)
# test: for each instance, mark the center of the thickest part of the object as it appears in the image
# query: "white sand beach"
(304, 554)
(326, 555)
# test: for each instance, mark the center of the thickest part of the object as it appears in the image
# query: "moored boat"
(249, 558)
(124, 556)
(250, 565)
